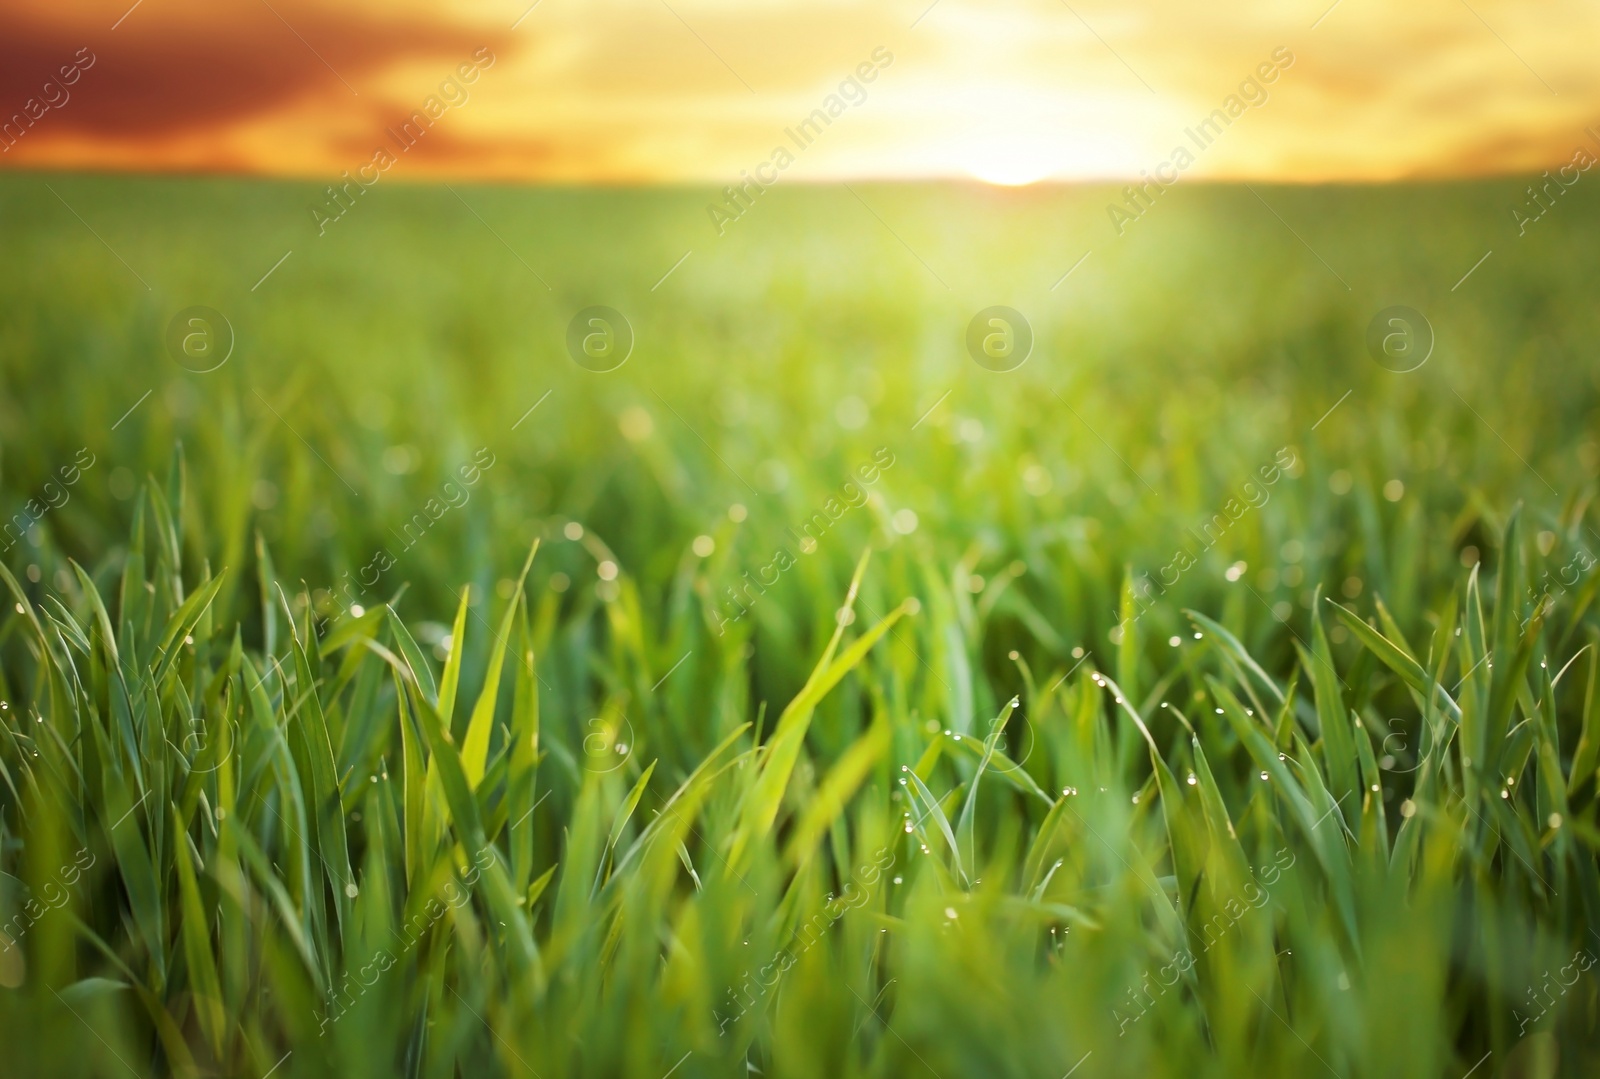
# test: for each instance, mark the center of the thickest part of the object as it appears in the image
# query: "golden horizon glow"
(634, 91)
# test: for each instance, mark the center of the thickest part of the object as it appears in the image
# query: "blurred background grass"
(1170, 365)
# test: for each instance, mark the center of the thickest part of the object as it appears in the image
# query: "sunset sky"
(697, 90)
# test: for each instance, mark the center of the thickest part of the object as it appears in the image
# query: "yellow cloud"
(700, 90)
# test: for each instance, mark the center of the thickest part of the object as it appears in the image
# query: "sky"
(670, 91)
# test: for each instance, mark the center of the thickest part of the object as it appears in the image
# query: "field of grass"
(1200, 698)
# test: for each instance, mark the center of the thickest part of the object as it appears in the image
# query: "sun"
(1011, 160)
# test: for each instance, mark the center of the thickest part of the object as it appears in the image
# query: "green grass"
(954, 799)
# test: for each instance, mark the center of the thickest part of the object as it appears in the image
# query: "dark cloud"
(184, 69)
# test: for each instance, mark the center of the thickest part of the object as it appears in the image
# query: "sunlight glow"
(1012, 160)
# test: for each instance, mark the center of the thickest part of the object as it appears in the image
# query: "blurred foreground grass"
(296, 764)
